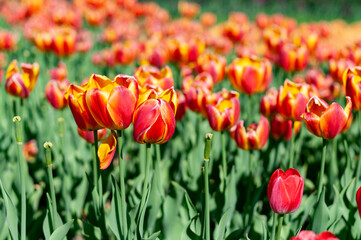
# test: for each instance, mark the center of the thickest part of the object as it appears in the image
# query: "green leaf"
(192, 228)
(11, 214)
(47, 225)
(61, 231)
(235, 235)
(114, 220)
(321, 216)
(141, 213)
(221, 228)
(89, 231)
(153, 236)
(81, 193)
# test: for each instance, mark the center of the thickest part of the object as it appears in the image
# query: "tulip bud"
(55, 91)
(250, 75)
(351, 83)
(326, 121)
(254, 138)
(285, 190)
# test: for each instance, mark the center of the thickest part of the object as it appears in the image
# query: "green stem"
(207, 150)
(146, 180)
(323, 161)
(249, 117)
(22, 163)
(224, 157)
(95, 160)
(122, 184)
(280, 221)
(49, 167)
(274, 226)
(292, 148)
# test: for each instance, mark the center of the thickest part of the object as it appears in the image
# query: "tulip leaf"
(81, 193)
(321, 216)
(141, 213)
(61, 231)
(89, 231)
(235, 235)
(193, 230)
(47, 225)
(221, 228)
(11, 213)
(114, 220)
(153, 236)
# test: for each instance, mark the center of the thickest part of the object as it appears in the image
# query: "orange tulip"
(112, 103)
(338, 67)
(188, 9)
(293, 58)
(154, 119)
(255, 137)
(268, 103)
(64, 42)
(326, 121)
(292, 99)
(55, 91)
(250, 75)
(89, 135)
(213, 64)
(225, 112)
(236, 31)
(351, 83)
(21, 84)
(148, 75)
(208, 19)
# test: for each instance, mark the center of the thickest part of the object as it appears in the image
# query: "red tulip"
(181, 106)
(154, 122)
(250, 75)
(21, 84)
(293, 58)
(292, 100)
(148, 75)
(281, 128)
(225, 112)
(255, 137)
(285, 190)
(268, 103)
(60, 72)
(30, 150)
(326, 121)
(55, 91)
(358, 200)
(338, 67)
(214, 64)
(351, 83)
(309, 235)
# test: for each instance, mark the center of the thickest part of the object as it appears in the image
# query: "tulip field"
(176, 120)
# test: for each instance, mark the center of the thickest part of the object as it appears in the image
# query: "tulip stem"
(249, 118)
(122, 185)
(49, 166)
(274, 226)
(207, 150)
(280, 222)
(95, 160)
(146, 176)
(292, 148)
(224, 158)
(22, 163)
(323, 161)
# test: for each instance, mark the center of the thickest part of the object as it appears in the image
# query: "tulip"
(154, 76)
(30, 150)
(214, 64)
(64, 42)
(225, 112)
(293, 58)
(208, 19)
(236, 31)
(181, 106)
(292, 100)
(112, 103)
(351, 83)
(326, 121)
(285, 190)
(7, 40)
(268, 103)
(255, 137)
(21, 84)
(327, 88)
(275, 37)
(186, 51)
(154, 121)
(89, 136)
(309, 235)
(60, 72)
(55, 91)
(281, 128)
(188, 9)
(358, 200)
(338, 67)
(250, 75)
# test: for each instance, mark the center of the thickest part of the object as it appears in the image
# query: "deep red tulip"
(285, 190)
(326, 121)
(358, 200)
(309, 235)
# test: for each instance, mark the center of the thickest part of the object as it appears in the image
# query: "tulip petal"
(312, 122)
(97, 101)
(106, 150)
(332, 121)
